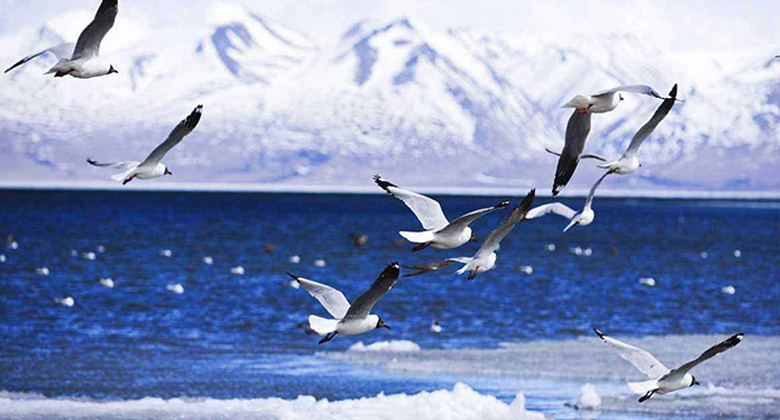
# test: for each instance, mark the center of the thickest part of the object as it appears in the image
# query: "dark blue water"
(232, 336)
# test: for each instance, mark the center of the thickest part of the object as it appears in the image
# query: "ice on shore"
(392, 345)
(588, 399)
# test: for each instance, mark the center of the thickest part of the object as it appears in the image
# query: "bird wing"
(365, 302)
(88, 44)
(331, 299)
(641, 359)
(555, 208)
(648, 128)
(592, 192)
(577, 131)
(494, 238)
(184, 127)
(61, 51)
(712, 351)
(427, 210)
(116, 165)
(465, 220)
(643, 89)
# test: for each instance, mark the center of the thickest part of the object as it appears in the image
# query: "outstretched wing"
(465, 220)
(116, 165)
(711, 352)
(365, 302)
(658, 116)
(551, 208)
(577, 130)
(62, 51)
(427, 268)
(641, 359)
(427, 210)
(88, 44)
(592, 192)
(494, 238)
(184, 127)
(643, 89)
(331, 299)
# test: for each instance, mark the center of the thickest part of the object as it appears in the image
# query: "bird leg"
(63, 73)
(420, 247)
(328, 337)
(582, 111)
(129, 179)
(473, 274)
(647, 396)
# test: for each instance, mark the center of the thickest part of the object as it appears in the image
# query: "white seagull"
(485, 258)
(582, 218)
(662, 379)
(577, 130)
(152, 167)
(629, 162)
(81, 60)
(349, 319)
(439, 232)
(607, 100)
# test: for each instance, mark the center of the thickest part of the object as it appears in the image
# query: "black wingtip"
(384, 184)
(502, 204)
(293, 276)
(392, 270)
(525, 205)
(598, 333)
(673, 92)
(91, 161)
(735, 339)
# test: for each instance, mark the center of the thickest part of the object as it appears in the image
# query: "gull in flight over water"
(662, 379)
(349, 319)
(629, 162)
(607, 100)
(582, 218)
(81, 60)
(439, 232)
(577, 130)
(152, 167)
(485, 258)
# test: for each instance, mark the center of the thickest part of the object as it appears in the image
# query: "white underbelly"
(355, 327)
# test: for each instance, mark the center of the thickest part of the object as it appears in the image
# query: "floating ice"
(550, 247)
(175, 288)
(295, 259)
(107, 282)
(208, 260)
(704, 255)
(729, 290)
(238, 270)
(319, 263)
(588, 399)
(44, 271)
(390, 346)
(90, 256)
(647, 281)
(66, 301)
(526, 269)
(166, 253)
(14, 245)
(737, 253)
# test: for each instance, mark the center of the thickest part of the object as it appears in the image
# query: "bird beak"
(387, 326)
(167, 172)
(695, 382)
(473, 238)
(112, 70)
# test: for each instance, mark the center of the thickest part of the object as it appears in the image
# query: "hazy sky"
(675, 25)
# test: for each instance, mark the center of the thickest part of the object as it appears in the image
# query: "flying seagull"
(577, 130)
(439, 232)
(81, 60)
(662, 379)
(485, 258)
(152, 167)
(629, 162)
(607, 100)
(582, 218)
(348, 319)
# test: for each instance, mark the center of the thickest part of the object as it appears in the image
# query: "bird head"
(473, 237)
(694, 381)
(380, 323)
(111, 69)
(167, 172)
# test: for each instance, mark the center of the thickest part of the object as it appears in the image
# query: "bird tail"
(579, 102)
(120, 177)
(321, 325)
(643, 387)
(608, 165)
(418, 237)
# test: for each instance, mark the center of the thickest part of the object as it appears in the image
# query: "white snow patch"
(390, 346)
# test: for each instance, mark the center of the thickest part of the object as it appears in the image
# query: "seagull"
(152, 167)
(485, 258)
(662, 379)
(439, 232)
(107, 282)
(629, 162)
(80, 60)
(349, 319)
(607, 100)
(577, 130)
(436, 327)
(582, 218)
(66, 301)
(175, 288)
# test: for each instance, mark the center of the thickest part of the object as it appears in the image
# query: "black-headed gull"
(81, 60)
(581, 218)
(577, 130)
(439, 232)
(485, 258)
(349, 319)
(152, 167)
(662, 379)
(607, 100)
(629, 162)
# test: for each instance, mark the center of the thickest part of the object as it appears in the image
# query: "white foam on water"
(389, 346)
(461, 402)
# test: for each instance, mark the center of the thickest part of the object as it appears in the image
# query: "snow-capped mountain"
(437, 108)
